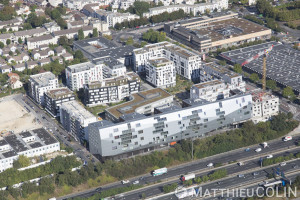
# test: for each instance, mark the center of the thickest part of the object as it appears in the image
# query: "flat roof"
(16, 143)
(282, 62)
(77, 110)
(43, 79)
(110, 62)
(208, 83)
(80, 67)
(138, 100)
(59, 93)
(25, 134)
(233, 27)
(222, 70)
(44, 136)
(159, 62)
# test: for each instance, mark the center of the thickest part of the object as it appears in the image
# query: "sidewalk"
(296, 131)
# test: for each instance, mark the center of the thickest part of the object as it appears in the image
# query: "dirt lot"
(14, 117)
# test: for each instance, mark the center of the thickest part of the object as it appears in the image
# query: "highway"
(225, 158)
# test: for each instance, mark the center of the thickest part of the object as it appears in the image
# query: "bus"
(158, 172)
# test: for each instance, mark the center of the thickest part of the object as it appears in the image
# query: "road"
(225, 158)
(52, 126)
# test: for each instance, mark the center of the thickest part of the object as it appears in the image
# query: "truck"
(160, 171)
(265, 144)
(187, 177)
(186, 193)
(287, 138)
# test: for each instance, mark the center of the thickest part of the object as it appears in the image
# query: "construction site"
(282, 62)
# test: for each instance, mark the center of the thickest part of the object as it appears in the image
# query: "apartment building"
(161, 73)
(111, 67)
(75, 119)
(139, 133)
(84, 73)
(210, 90)
(33, 143)
(36, 42)
(111, 90)
(264, 106)
(114, 17)
(41, 83)
(187, 63)
(55, 97)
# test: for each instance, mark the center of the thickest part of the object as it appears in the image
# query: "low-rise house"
(42, 3)
(5, 37)
(14, 81)
(30, 33)
(60, 50)
(51, 27)
(21, 58)
(13, 22)
(75, 24)
(73, 33)
(5, 69)
(35, 42)
(44, 47)
(37, 55)
(23, 10)
(67, 56)
(31, 64)
(19, 67)
(44, 61)
(60, 59)
(10, 59)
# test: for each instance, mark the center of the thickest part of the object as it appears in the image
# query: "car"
(99, 189)
(241, 163)
(283, 164)
(125, 181)
(142, 178)
(295, 166)
(258, 150)
(248, 149)
(210, 165)
(269, 156)
(136, 182)
(219, 182)
(255, 173)
(287, 138)
(241, 176)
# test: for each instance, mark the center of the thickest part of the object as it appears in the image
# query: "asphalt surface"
(236, 155)
(52, 126)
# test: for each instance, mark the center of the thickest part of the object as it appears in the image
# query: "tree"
(118, 26)
(288, 92)
(237, 68)
(143, 43)
(1, 45)
(95, 33)
(79, 55)
(8, 41)
(207, 11)
(290, 115)
(11, 53)
(129, 41)
(140, 7)
(254, 77)
(22, 161)
(20, 40)
(62, 23)
(271, 84)
(80, 34)
(55, 14)
(7, 13)
(222, 62)
(63, 41)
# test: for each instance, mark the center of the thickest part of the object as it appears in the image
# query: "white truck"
(187, 177)
(287, 138)
(160, 171)
(185, 193)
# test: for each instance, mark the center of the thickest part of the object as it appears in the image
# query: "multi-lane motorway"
(201, 168)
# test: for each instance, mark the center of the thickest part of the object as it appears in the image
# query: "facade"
(210, 91)
(55, 97)
(187, 63)
(218, 31)
(141, 133)
(114, 17)
(161, 72)
(111, 67)
(84, 73)
(75, 119)
(264, 107)
(36, 42)
(41, 83)
(29, 143)
(111, 90)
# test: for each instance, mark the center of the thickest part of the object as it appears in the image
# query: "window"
(140, 131)
(179, 122)
(142, 138)
(138, 125)
(117, 137)
(205, 120)
(114, 148)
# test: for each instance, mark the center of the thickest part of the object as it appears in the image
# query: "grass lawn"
(181, 85)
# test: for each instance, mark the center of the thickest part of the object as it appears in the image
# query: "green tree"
(143, 43)
(271, 84)
(55, 14)
(95, 33)
(237, 68)
(62, 23)
(222, 62)
(118, 26)
(80, 34)
(22, 161)
(288, 92)
(254, 77)
(20, 41)
(63, 41)
(79, 55)
(129, 41)
(8, 41)
(1, 45)
(140, 7)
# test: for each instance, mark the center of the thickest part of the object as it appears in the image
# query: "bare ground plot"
(13, 117)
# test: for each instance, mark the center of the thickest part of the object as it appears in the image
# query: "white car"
(270, 156)
(258, 150)
(283, 164)
(241, 163)
(210, 165)
(287, 138)
(125, 181)
(135, 182)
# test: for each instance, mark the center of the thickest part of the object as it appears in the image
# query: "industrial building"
(75, 119)
(101, 47)
(223, 30)
(138, 133)
(29, 143)
(282, 62)
(161, 72)
(83, 73)
(41, 83)
(55, 97)
(111, 90)
(264, 106)
(187, 63)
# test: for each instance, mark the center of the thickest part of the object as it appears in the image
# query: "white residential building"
(264, 106)
(84, 73)
(36, 42)
(210, 91)
(55, 3)
(114, 17)
(32, 143)
(51, 26)
(187, 63)
(161, 72)
(75, 119)
(41, 83)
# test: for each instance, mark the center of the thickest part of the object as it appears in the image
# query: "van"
(287, 138)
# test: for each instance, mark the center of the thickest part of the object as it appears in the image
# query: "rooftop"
(80, 67)
(77, 110)
(160, 62)
(42, 79)
(138, 100)
(110, 62)
(208, 84)
(59, 93)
